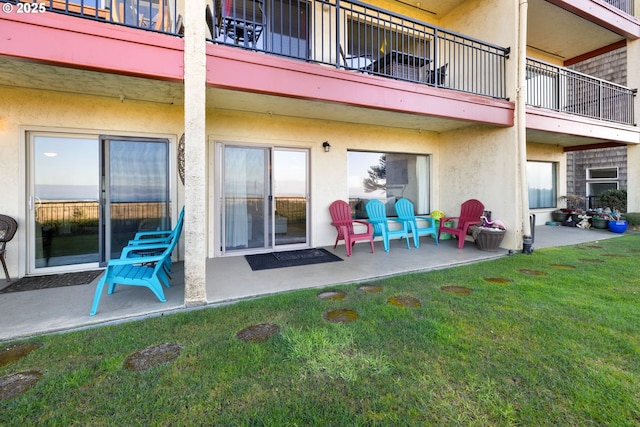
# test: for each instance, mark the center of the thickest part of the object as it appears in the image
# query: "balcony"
(153, 15)
(361, 38)
(624, 5)
(347, 35)
(566, 91)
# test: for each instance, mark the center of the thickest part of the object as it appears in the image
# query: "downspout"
(521, 105)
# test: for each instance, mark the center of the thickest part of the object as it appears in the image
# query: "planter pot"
(444, 236)
(602, 224)
(559, 216)
(489, 240)
(618, 226)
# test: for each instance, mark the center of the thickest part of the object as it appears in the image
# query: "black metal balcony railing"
(624, 5)
(362, 38)
(560, 89)
(153, 15)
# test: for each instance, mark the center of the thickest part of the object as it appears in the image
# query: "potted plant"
(573, 201)
(617, 224)
(437, 216)
(600, 220)
(560, 215)
(489, 234)
(616, 201)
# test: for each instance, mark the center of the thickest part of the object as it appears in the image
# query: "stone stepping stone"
(332, 295)
(457, 290)
(258, 333)
(343, 315)
(16, 352)
(404, 301)
(152, 356)
(370, 289)
(16, 384)
(563, 266)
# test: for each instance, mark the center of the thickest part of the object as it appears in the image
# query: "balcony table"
(400, 64)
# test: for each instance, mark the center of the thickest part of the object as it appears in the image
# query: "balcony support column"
(195, 71)
(633, 150)
(521, 119)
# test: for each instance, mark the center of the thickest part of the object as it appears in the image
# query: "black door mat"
(31, 283)
(290, 259)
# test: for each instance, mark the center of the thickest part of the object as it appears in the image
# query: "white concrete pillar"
(633, 151)
(195, 68)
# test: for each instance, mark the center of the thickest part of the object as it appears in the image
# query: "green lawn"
(558, 344)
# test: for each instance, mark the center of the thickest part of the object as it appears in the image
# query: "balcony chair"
(341, 219)
(405, 212)
(8, 227)
(361, 63)
(146, 243)
(125, 12)
(241, 20)
(436, 77)
(470, 214)
(146, 265)
(162, 21)
(376, 211)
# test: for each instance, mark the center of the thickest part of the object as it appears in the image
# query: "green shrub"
(633, 218)
(614, 199)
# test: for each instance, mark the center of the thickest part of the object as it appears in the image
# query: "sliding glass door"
(64, 202)
(136, 190)
(263, 198)
(90, 195)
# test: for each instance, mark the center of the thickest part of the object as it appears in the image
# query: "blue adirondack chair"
(376, 212)
(405, 212)
(145, 241)
(147, 265)
(158, 236)
(147, 271)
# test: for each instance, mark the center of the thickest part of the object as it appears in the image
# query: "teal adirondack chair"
(145, 240)
(376, 212)
(147, 265)
(405, 212)
(158, 236)
(147, 271)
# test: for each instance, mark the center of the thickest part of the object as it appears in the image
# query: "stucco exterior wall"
(24, 110)
(481, 19)
(633, 151)
(481, 163)
(329, 171)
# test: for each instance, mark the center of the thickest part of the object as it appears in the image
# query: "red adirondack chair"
(341, 219)
(470, 214)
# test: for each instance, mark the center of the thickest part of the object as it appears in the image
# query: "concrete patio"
(231, 279)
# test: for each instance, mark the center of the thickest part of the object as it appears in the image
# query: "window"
(542, 184)
(600, 180)
(388, 177)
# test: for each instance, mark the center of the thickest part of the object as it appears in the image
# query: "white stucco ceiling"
(562, 34)
(23, 74)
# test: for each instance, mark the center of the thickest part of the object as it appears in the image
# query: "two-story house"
(257, 114)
